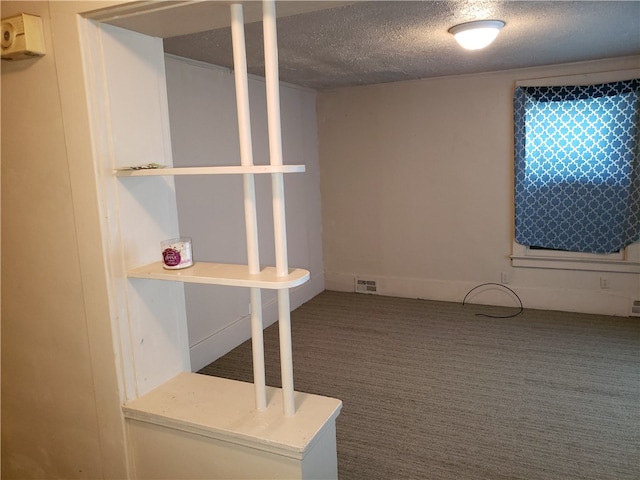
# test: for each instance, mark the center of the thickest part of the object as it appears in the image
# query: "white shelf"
(223, 409)
(216, 170)
(223, 274)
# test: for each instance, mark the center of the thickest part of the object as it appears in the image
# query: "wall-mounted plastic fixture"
(22, 37)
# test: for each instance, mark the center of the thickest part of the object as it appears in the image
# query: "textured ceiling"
(376, 42)
(335, 44)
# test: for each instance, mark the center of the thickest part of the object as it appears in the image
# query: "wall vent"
(635, 308)
(366, 286)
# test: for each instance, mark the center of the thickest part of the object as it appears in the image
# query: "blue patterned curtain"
(577, 166)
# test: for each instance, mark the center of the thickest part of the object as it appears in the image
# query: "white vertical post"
(277, 186)
(246, 159)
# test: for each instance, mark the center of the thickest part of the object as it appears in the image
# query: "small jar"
(176, 253)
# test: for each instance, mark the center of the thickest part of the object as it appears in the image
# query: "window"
(577, 170)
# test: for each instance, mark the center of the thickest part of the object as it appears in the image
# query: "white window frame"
(625, 261)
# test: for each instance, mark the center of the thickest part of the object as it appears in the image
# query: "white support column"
(246, 159)
(277, 183)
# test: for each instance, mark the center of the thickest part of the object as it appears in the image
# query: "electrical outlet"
(504, 278)
(604, 282)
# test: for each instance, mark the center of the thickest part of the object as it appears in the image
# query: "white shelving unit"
(279, 277)
(181, 424)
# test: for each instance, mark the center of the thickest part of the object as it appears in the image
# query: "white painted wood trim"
(603, 302)
(97, 104)
(575, 264)
(627, 262)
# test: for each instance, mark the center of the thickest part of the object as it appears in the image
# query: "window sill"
(571, 264)
(628, 263)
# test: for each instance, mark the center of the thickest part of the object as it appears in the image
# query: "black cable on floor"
(495, 316)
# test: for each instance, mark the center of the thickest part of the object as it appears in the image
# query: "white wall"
(139, 212)
(204, 131)
(417, 193)
(61, 397)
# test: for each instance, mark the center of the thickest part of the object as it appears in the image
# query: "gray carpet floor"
(431, 390)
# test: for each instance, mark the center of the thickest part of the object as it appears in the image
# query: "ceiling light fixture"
(476, 35)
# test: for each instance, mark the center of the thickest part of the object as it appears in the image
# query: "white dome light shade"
(478, 34)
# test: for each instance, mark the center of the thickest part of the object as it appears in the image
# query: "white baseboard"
(566, 299)
(239, 330)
